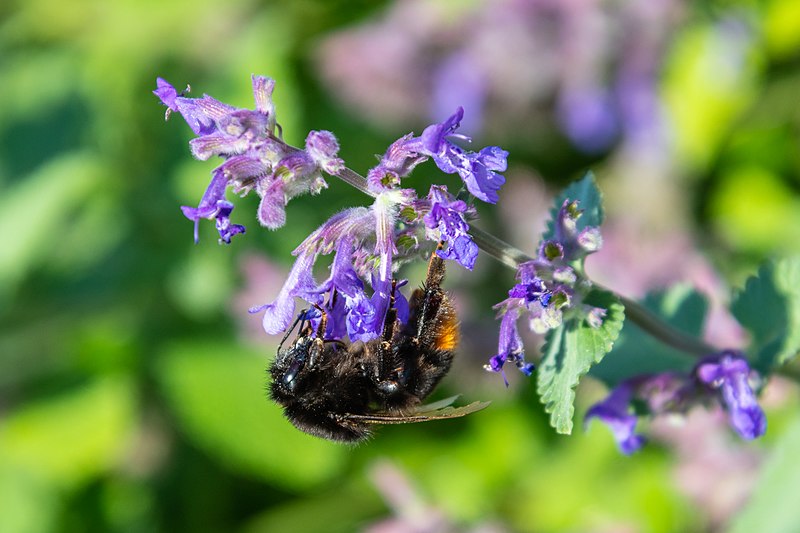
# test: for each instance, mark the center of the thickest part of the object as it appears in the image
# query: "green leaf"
(769, 308)
(590, 199)
(570, 352)
(637, 352)
(219, 396)
(773, 506)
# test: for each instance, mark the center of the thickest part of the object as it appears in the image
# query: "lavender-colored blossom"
(255, 157)
(348, 234)
(446, 221)
(323, 148)
(272, 207)
(548, 285)
(166, 93)
(361, 318)
(509, 347)
(207, 208)
(478, 171)
(575, 243)
(224, 226)
(300, 283)
(724, 376)
(588, 117)
(616, 412)
(729, 374)
(399, 160)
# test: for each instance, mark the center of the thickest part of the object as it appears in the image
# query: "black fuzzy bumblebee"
(338, 391)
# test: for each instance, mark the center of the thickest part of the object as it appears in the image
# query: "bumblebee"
(339, 391)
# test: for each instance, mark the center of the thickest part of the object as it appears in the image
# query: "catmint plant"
(582, 322)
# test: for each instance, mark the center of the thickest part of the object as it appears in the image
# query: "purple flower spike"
(729, 373)
(446, 222)
(256, 158)
(615, 412)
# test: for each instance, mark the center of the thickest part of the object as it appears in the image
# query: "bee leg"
(432, 295)
(323, 322)
(386, 378)
(432, 330)
(289, 331)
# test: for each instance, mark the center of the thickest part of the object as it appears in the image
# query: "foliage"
(131, 389)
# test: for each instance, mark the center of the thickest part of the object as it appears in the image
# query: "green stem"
(513, 257)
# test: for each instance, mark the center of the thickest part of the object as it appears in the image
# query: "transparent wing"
(423, 413)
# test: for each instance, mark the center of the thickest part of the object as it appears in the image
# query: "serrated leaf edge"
(543, 387)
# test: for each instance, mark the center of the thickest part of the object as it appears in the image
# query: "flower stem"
(513, 257)
(354, 179)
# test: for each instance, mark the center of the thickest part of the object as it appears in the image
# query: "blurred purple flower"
(723, 376)
(616, 412)
(728, 373)
(456, 82)
(597, 61)
(588, 118)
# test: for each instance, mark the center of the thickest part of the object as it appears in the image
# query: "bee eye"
(288, 378)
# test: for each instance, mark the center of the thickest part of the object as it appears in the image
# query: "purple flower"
(361, 318)
(588, 117)
(255, 157)
(300, 283)
(615, 411)
(729, 374)
(207, 208)
(478, 171)
(272, 207)
(509, 347)
(349, 234)
(323, 148)
(724, 376)
(447, 223)
(548, 286)
(166, 93)
(399, 160)
(224, 226)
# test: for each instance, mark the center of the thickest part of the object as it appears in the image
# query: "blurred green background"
(132, 383)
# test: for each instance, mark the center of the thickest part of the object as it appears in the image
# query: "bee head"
(290, 366)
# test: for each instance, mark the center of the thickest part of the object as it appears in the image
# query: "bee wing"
(423, 413)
